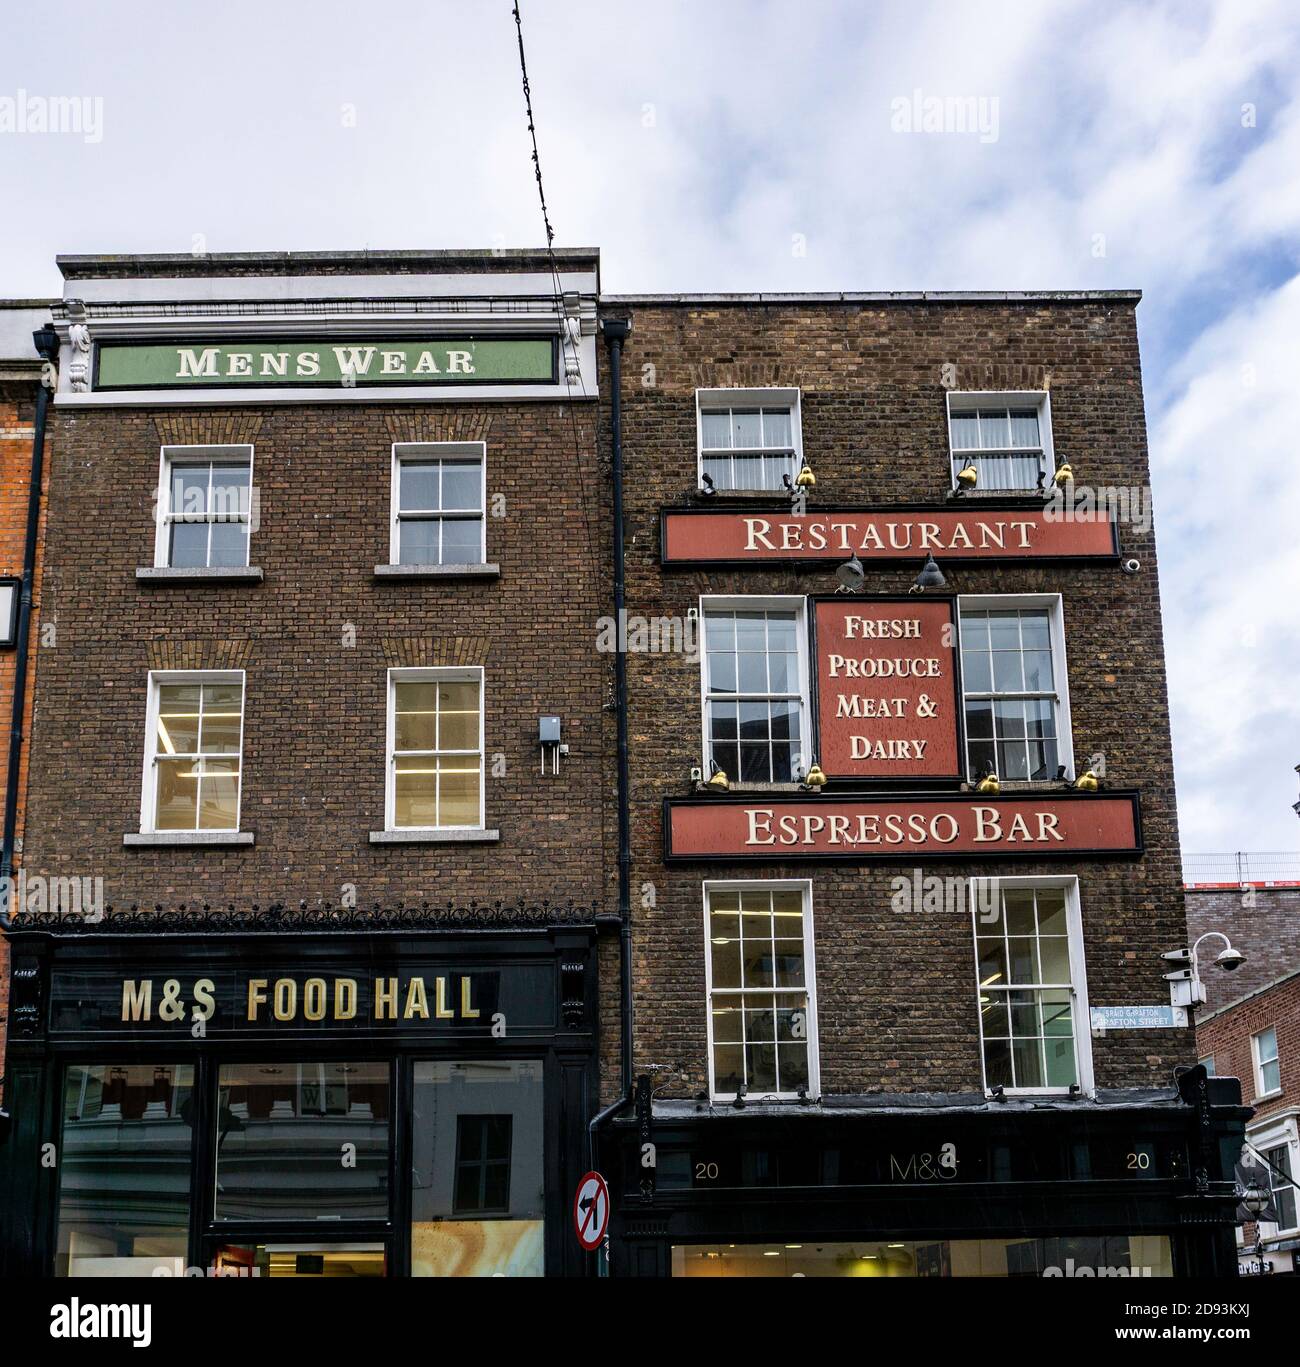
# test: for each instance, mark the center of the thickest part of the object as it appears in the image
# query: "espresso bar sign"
(360, 362)
(983, 532)
(887, 688)
(863, 830)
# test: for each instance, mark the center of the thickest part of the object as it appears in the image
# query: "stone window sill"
(187, 838)
(221, 574)
(488, 571)
(447, 837)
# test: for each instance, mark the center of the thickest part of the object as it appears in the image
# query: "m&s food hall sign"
(345, 362)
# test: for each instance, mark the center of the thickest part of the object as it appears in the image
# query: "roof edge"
(1131, 296)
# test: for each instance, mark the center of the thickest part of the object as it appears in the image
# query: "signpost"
(591, 1211)
(1138, 1017)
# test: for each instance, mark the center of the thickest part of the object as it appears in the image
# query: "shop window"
(1268, 1069)
(204, 507)
(749, 439)
(438, 498)
(478, 1182)
(754, 689)
(761, 996)
(1033, 1008)
(124, 1170)
(1014, 682)
(1279, 1175)
(294, 1258)
(435, 749)
(193, 750)
(281, 1131)
(1007, 437)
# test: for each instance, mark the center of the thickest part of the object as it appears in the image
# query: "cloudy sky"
(738, 146)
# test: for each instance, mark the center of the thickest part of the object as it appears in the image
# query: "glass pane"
(417, 542)
(728, 1067)
(983, 757)
(458, 797)
(979, 720)
(725, 948)
(716, 430)
(977, 672)
(280, 1131)
(997, 1063)
(1054, 957)
(1038, 670)
(219, 794)
(415, 792)
(994, 1017)
(728, 1022)
(753, 721)
(1024, 1014)
(992, 962)
(1018, 908)
(723, 720)
(1028, 1062)
(777, 430)
(1051, 911)
(178, 719)
(757, 959)
(1035, 630)
(722, 672)
(462, 485)
(1040, 717)
(1057, 1015)
(1023, 961)
(1061, 1070)
(458, 715)
(718, 469)
(760, 1067)
(414, 716)
(965, 431)
(1007, 673)
(124, 1170)
(788, 963)
(189, 490)
(1009, 718)
(462, 541)
(221, 719)
(995, 432)
(720, 630)
(177, 802)
(747, 428)
(1013, 762)
(1004, 631)
(752, 673)
(189, 546)
(1024, 427)
(751, 631)
(974, 631)
(755, 763)
(418, 486)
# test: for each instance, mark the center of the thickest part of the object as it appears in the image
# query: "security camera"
(1131, 565)
(1230, 959)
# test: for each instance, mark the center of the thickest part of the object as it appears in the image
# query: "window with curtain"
(749, 447)
(753, 693)
(1005, 444)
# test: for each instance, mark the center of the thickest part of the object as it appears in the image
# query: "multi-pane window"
(192, 767)
(1268, 1070)
(205, 507)
(1279, 1176)
(435, 759)
(753, 693)
(1028, 1002)
(1004, 443)
(482, 1164)
(748, 446)
(438, 504)
(761, 1013)
(1010, 682)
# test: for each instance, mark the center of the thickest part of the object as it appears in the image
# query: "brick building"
(319, 749)
(1250, 1028)
(20, 376)
(883, 946)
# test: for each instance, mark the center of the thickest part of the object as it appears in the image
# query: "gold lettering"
(467, 1012)
(256, 996)
(313, 999)
(345, 998)
(417, 1004)
(137, 999)
(386, 999)
(442, 1011)
(285, 1003)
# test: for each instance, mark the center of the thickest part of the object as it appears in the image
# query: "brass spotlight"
(968, 476)
(718, 780)
(815, 777)
(989, 785)
(1063, 475)
(805, 478)
(1087, 782)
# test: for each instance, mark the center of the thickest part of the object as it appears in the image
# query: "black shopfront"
(298, 1102)
(1133, 1184)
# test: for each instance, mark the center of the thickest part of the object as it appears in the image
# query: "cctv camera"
(1131, 565)
(1230, 959)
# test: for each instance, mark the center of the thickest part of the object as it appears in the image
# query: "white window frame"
(800, 885)
(964, 401)
(149, 785)
(796, 603)
(1278, 1132)
(1257, 1064)
(435, 450)
(1078, 974)
(433, 674)
(236, 453)
(1054, 603)
(712, 400)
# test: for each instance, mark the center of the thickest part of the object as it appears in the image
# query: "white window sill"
(217, 574)
(1029, 495)
(430, 836)
(1266, 1096)
(485, 571)
(703, 787)
(187, 838)
(717, 494)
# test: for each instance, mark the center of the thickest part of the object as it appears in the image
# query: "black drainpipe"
(47, 344)
(616, 331)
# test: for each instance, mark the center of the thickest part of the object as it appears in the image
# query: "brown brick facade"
(897, 1008)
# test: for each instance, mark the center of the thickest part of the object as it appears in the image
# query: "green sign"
(368, 362)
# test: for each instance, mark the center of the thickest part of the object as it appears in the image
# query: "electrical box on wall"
(548, 736)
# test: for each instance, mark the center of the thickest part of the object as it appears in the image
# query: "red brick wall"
(1227, 1036)
(896, 995)
(16, 422)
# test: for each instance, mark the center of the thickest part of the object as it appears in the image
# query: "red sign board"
(887, 688)
(865, 829)
(975, 532)
(591, 1210)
